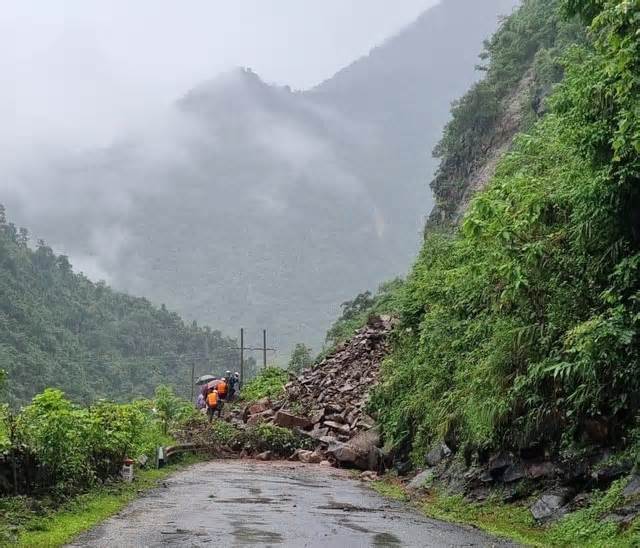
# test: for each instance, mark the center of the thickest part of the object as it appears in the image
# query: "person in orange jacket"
(222, 387)
(213, 404)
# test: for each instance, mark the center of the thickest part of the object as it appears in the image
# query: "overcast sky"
(81, 71)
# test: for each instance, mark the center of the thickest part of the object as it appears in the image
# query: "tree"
(23, 237)
(587, 9)
(300, 358)
(3, 378)
(167, 405)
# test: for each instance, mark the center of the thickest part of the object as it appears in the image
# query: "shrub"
(268, 437)
(225, 433)
(170, 408)
(59, 433)
(269, 383)
(75, 446)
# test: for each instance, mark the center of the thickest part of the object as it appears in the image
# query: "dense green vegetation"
(67, 458)
(268, 383)
(522, 63)
(59, 329)
(73, 447)
(522, 326)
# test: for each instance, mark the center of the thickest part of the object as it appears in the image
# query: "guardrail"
(165, 453)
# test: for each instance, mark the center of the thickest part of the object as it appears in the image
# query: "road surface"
(248, 503)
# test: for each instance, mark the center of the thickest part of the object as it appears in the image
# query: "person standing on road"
(213, 404)
(233, 387)
(223, 392)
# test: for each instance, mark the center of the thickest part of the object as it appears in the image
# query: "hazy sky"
(79, 71)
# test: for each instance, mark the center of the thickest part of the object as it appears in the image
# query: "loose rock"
(421, 479)
(308, 457)
(632, 490)
(549, 506)
(437, 454)
(289, 420)
(334, 391)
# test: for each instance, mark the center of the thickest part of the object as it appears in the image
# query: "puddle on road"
(354, 526)
(245, 500)
(386, 540)
(346, 507)
(289, 481)
(250, 537)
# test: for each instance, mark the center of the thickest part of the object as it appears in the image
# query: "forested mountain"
(253, 205)
(520, 320)
(59, 329)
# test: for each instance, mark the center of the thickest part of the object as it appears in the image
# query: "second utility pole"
(241, 356)
(264, 349)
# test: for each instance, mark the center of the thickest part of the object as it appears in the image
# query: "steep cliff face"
(523, 62)
(514, 118)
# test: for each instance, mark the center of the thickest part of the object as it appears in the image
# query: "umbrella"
(204, 379)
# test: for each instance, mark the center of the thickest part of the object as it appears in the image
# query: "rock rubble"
(333, 394)
(328, 401)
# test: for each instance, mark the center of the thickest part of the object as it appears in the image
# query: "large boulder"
(437, 454)
(343, 453)
(360, 452)
(307, 457)
(256, 408)
(539, 470)
(287, 420)
(337, 427)
(260, 417)
(365, 441)
(513, 473)
(550, 506)
(499, 462)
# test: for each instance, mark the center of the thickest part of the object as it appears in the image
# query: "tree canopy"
(59, 329)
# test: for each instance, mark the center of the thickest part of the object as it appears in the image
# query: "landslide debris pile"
(335, 391)
(328, 401)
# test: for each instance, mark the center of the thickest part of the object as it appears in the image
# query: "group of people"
(215, 393)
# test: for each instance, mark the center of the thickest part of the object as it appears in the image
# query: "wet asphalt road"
(248, 503)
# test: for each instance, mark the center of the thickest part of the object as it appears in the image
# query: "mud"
(246, 503)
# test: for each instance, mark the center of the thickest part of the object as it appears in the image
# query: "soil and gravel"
(248, 503)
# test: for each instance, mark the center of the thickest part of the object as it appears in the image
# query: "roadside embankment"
(602, 517)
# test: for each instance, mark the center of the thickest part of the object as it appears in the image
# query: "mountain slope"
(520, 328)
(254, 206)
(524, 65)
(58, 329)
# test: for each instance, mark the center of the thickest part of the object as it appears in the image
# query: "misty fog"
(257, 197)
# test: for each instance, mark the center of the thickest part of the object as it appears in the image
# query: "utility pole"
(193, 378)
(242, 356)
(264, 349)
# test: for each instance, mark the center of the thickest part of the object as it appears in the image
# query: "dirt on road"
(248, 503)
